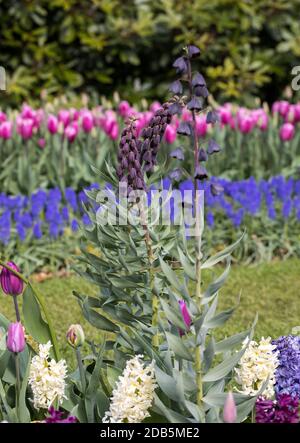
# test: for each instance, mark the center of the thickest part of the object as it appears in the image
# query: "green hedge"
(249, 47)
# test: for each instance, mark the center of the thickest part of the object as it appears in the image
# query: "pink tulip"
(287, 131)
(3, 117)
(52, 124)
(87, 121)
(225, 115)
(229, 412)
(27, 112)
(114, 131)
(6, 130)
(170, 134)
(155, 106)
(64, 117)
(71, 132)
(201, 126)
(123, 108)
(262, 121)
(25, 127)
(42, 143)
(284, 107)
(185, 315)
(186, 115)
(15, 338)
(246, 124)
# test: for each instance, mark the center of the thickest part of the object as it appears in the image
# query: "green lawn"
(272, 290)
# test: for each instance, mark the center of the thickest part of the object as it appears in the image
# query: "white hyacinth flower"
(133, 394)
(47, 378)
(257, 365)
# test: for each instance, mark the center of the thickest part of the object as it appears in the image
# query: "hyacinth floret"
(133, 394)
(257, 365)
(47, 378)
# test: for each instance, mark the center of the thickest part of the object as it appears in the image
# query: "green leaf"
(177, 345)
(33, 321)
(169, 385)
(24, 412)
(221, 370)
(221, 255)
(173, 317)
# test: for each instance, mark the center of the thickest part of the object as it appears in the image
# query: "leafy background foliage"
(101, 46)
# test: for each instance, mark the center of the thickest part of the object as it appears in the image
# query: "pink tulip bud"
(225, 115)
(3, 117)
(170, 134)
(52, 124)
(155, 106)
(201, 126)
(64, 117)
(25, 127)
(42, 143)
(287, 131)
(27, 112)
(71, 132)
(185, 315)
(114, 131)
(10, 283)
(229, 412)
(246, 124)
(15, 337)
(283, 108)
(6, 130)
(87, 121)
(123, 108)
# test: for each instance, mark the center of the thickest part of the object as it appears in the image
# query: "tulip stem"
(18, 383)
(17, 308)
(81, 369)
(42, 304)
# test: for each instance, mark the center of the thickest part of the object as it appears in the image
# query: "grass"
(271, 289)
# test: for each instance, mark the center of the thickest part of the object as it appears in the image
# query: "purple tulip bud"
(229, 412)
(185, 315)
(15, 337)
(10, 283)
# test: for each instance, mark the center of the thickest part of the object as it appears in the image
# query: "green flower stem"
(42, 304)
(198, 242)
(155, 301)
(18, 317)
(81, 369)
(18, 383)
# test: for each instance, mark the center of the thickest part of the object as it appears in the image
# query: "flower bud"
(15, 337)
(75, 336)
(229, 412)
(185, 315)
(10, 283)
